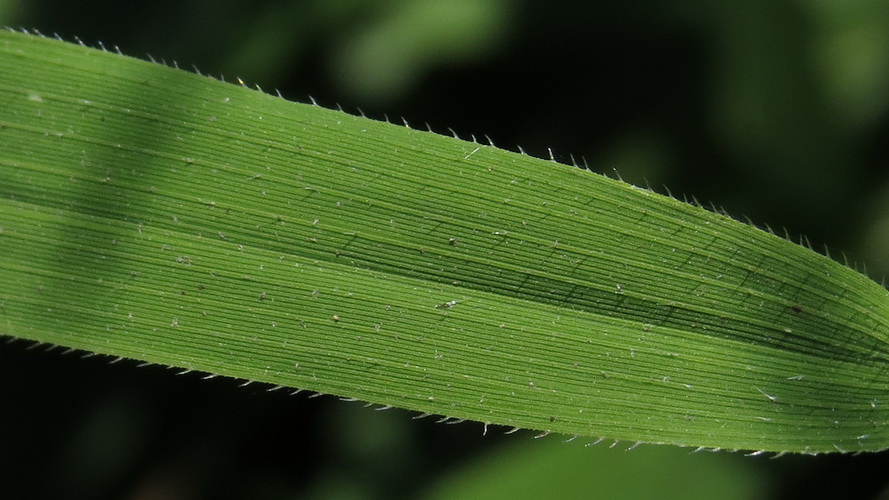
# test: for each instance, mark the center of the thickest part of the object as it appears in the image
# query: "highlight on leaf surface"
(159, 215)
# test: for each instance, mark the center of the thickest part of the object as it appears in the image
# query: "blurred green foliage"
(775, 110)
(549, 469)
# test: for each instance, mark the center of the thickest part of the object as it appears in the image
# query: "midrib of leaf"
(159, 215)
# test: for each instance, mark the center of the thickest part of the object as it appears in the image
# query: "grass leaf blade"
(155, 214)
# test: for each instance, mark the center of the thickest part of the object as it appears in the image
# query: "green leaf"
(549, 469)
(155, 214)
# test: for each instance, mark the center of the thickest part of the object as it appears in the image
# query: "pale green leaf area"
(155, 214)
(549, 469)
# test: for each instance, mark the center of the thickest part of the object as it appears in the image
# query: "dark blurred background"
(773, 110)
